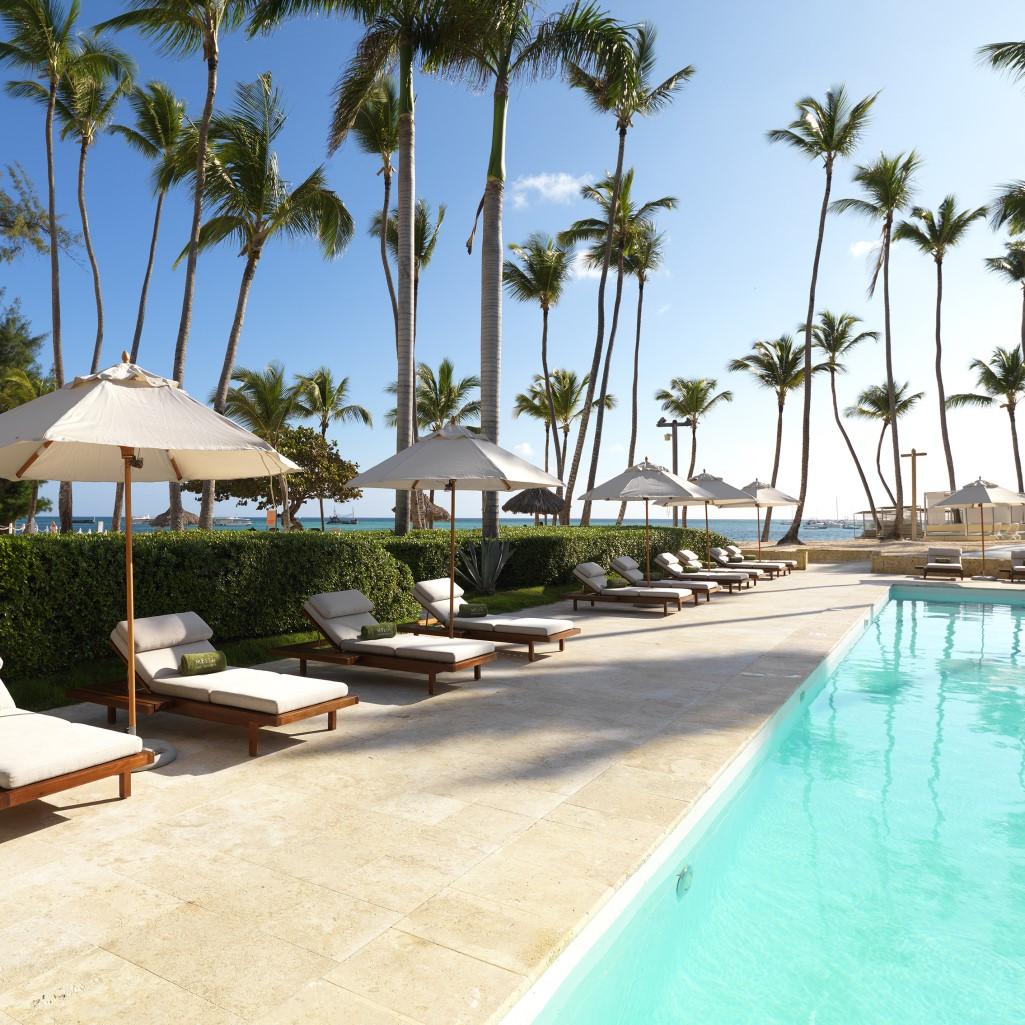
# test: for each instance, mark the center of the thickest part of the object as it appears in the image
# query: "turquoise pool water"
(871, 870)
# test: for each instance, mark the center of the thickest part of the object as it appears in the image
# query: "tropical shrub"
(480, 566)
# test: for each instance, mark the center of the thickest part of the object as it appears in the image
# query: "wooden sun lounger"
(430, 625)
(655, 600)
(120, 767)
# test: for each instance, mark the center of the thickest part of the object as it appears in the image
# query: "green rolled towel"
(472, 610)
(736, 558)
(377, 631)
(198, 663)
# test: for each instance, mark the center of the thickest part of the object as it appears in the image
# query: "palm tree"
(253, 204)
(835, 336)
(323, 398)
(501, 43)
(621, 87)
(1012, 266)
(264, 403)
(182, 28)
(934, 234)
(691, 398)
(778, 366)
(822, 131)
(157, 133)
(888, 185)
(1002, 381)
(876, 403)
(628, 222)
(644, 257)
(18, 386)
(539, 274)
(535, 403)
(376, 128)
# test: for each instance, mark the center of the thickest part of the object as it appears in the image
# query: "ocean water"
(872, 870)
(737, 529)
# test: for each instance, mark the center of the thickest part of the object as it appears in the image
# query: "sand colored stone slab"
(398, 884)
(323, 1003)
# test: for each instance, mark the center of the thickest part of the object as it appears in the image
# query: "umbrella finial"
(124, 355)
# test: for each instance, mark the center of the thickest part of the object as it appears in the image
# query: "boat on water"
(350, 518)
(232, 521)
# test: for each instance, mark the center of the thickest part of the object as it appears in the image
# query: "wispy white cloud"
(664, 308)
(864, 247)
(580, 270)
(547, 187)
(524, 449)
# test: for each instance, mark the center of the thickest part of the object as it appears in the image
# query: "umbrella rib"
(174, 466)
(32, 458)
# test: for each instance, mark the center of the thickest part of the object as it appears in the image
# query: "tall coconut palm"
(252, 204)
(628, 221)
(1002, 382)
(500, 43)
(321, 397)
(836, 335)
(622, 87)
(538, 275)
(876, 403)
(823, 131)
(1011, 266)
(691, 398)
(644, 258)
(888, 185)
(933, 234)
(535, 403)
(18, 386)
(778, 366)
(263, 402)
(184, 28)
(157, 133)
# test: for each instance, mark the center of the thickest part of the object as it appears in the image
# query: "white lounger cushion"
(273, 693)
(593, 577)
(427, 594)
(693, 567)
(628, 568)
(952, 553)
(34, 747)
(734, 550)
(1017, 559)
(6, 701)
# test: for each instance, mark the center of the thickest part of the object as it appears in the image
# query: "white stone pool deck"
(424, 863)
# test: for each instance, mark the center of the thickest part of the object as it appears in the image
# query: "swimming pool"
(871, 868)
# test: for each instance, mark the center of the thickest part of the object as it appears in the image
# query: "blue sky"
(739, 245)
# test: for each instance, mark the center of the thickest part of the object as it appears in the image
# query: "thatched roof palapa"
(189, 519)
(535, 502)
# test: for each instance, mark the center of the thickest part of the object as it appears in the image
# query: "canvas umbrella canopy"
(765, 496)
(717, 492)
(983, 495)
(125, 424)
(646, 482)
(454, 459)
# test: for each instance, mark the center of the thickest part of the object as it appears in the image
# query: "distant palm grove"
(85, 85)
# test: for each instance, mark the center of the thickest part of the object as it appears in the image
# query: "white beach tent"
(126, 424)
(454, 459)
(981, 494)
(646, 482)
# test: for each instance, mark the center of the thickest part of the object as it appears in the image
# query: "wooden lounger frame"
(147, 702)
(435, 628)
(1014, 573)
(953, 570)
(325, 650)
(728, 584)
(591, 597)
(770, 571)
(120, 767)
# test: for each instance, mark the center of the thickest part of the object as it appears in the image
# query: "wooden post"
(451, 567)
(647, 544)
(758, 528)
(982, 533)
(914, 455)
(128, 455)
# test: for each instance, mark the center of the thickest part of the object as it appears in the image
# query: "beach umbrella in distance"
(454, 459)
(765, 496)
(536, 502)
(718, 493)
(981, 494)
(125, 424)
(646, 482)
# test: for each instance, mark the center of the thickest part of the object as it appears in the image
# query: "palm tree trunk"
(406, 270)
(940, 393)
(141, 317)
(491, 262)
(1023, 321)
(879, 466)
(693, 463)
(632, 450)
(767, 522)
(206, 509)
(1014, 444)
(550, 399)
(185, 324)
(792, 536)
(891, 395)
(599, 342)
(599, 420)
(93, 265)
(850, 448)
(286, 513)
(384, 251)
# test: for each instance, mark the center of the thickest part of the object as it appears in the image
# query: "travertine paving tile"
(324, 1003)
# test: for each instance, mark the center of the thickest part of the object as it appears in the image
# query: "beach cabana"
(163, 521)
(454, 459)
(536, 502)
(981, 494)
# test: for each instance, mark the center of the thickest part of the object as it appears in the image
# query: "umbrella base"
(163, 754)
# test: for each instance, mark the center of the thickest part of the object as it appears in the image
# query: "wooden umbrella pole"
(647, 544)
(982, 531)
(758, 528)
(128, 456)
(452, 562)
(708, 538)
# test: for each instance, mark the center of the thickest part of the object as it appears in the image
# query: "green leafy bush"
(61, 596)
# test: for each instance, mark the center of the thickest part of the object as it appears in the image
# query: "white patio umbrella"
(646, 483)
(983, 495)
(454, 459)
(765, 496)
(125, 424)
(717, 492)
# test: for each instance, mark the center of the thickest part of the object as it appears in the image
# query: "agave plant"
(481, 565)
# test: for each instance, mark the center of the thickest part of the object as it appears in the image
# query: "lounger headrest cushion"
(589, 569)
(435, 590)
(689, 556)
(667, 559)
(334, 604)
(734, 549)
(339, 628)
(626, 567)
(156, 632)
(6, 701)
(946, 552)
(1017, 556)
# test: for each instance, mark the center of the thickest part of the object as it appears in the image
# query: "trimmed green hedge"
(544, 555)
(61, 596)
